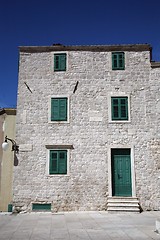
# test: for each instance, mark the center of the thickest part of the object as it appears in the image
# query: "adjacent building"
(7, 128)
(88, 129)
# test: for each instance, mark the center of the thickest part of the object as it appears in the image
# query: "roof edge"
(8, 111)
(155, 64)
(94, 48)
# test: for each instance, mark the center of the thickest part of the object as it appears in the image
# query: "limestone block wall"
(89, 130)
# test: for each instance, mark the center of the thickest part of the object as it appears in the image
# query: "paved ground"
(78, 225)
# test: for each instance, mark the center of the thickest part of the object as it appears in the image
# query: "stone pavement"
(78, 225)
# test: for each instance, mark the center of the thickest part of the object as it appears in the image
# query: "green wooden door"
(121, 172)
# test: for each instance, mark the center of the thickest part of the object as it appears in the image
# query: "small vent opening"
(41, 206)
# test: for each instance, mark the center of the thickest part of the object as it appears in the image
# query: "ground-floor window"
(58, 162)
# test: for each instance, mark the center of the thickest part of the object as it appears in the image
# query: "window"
(60, 62)
(41, 207)
(59, 109)
(58, 162)
(119, 108)
(118, 61)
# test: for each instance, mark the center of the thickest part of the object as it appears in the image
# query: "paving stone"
(76, 226)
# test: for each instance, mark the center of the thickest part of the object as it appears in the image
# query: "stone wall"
(89, 130)
(7, 128)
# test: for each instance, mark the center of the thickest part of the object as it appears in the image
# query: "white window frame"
(126, 62)
(59, 52)
(48, 162)
(118, 94)
(68, 107)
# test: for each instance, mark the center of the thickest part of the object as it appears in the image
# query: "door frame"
(132, 168)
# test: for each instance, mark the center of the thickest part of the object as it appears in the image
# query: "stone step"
(118, 210)
(123, 204)
(116, 200)
(123, 200)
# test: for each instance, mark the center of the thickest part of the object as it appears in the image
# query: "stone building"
(7, 128)
(88, 129)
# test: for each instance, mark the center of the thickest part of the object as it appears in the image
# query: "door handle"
(119, 176)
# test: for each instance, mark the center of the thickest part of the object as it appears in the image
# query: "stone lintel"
(58, 146)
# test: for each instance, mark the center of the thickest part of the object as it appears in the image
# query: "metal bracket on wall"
(75, 88)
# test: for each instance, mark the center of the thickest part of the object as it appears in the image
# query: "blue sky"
(85, 22)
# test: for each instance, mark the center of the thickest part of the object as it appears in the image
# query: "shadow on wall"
(15, 160)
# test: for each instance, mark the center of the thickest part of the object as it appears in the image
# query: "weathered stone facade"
(89, 134)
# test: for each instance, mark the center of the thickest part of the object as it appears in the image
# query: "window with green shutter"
(59, 109)
(60, 62)
(118, 61)
(41, 206)
(58, 162)
(119, 106)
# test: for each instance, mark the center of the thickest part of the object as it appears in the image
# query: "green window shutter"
(119, 108)
(62, 162)
(124, 108)
(121, 64)
(59, 109)
(54, 109)
(56, 62)
(53, 167)
(114, 61)
(63, 62)
(60, 62)
(58, 162)
(115, 108)
(118, 61)
(63, 109)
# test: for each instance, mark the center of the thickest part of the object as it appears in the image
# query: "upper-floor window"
(59, 108)
(119, 108)
(60, 62)
(118, 61)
